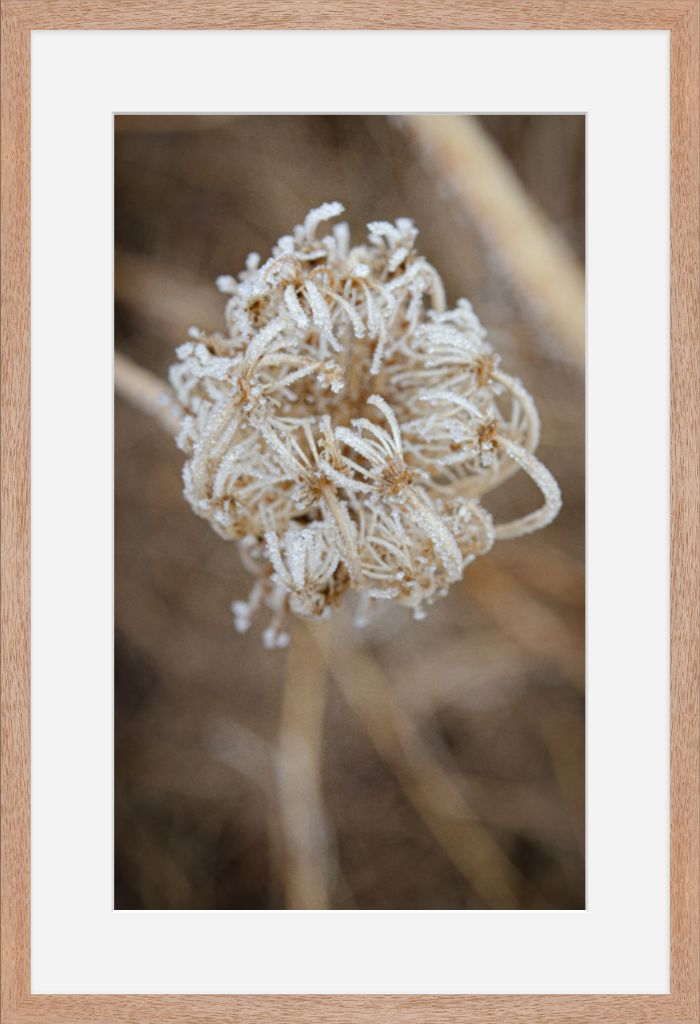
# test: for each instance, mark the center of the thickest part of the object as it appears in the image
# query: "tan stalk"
(540, 263)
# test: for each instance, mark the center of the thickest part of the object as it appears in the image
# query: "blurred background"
(414, 765)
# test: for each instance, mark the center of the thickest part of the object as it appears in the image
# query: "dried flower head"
(347, 425)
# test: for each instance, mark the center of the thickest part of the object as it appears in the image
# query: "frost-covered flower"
(347, 425)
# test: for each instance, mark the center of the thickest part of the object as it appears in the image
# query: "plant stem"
(426, 782)
(146, 392)
(541, 265)
(298, 775)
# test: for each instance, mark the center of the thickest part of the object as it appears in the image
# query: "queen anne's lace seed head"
(346, 427)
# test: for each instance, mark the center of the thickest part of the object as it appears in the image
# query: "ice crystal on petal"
(346, 428)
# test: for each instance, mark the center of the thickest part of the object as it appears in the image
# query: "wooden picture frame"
(679, 17)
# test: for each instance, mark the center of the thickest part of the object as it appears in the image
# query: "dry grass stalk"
(541, 266)
(146, 392)
(429, 786)
(534, 626)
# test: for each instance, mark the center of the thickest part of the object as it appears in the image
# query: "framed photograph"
(350, 538)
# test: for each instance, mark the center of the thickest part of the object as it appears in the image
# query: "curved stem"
(540, 475)
(342, 523)
(445, 544)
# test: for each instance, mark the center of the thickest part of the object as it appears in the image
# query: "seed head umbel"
(346, 426)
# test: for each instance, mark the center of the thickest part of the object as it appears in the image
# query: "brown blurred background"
(423, 765)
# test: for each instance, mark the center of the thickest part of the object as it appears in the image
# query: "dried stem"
(426, 782)
(542, 267)
(298, 777)
(529, 621)
(288, 773)
(146, 392)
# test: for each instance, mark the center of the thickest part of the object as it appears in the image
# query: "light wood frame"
(679, 17)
